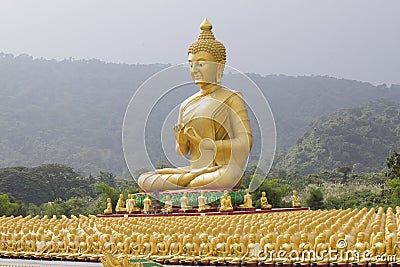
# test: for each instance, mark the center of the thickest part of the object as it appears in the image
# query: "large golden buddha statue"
(213, 126)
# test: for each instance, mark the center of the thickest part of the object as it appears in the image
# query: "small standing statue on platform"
(247, 200)
(226, 203)
(108, 210)
(202, 202)
(147, 208)
(295, 200)
(185, 202)
(131, 204)
(167, 205)
(264, 202)
(120, 204)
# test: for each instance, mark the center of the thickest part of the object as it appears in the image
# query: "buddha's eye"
(200, 64)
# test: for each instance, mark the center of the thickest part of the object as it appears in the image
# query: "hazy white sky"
(346, 39)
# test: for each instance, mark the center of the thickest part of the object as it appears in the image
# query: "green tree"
(107, 177)
(108, 191)
(393, 165)
(275, 190)
(315, 199)
(393, 174)
(346, 170)
(9, 206)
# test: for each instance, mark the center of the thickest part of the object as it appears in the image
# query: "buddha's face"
(204, 69)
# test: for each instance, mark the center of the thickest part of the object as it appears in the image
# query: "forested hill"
(71, 111)
(298, 101)
(360, 138)
(67, 112)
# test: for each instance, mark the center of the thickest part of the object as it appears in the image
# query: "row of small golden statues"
(225, 203)
(247, 238)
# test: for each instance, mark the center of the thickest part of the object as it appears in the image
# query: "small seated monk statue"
(120, 204)
(185, 202)
(206, 249)
(361, 246)
(321, 246)
(264, 202)
(175, 249)
(295, 200)
(247, 200)
(202, 202)
(190, 249)
(167, 205)
(236, 250)
(213, 126)
(161, 249)
(108, 210)
(252, 251)
(131, 204)
(226, 203)
(378, 248)
(147, 205)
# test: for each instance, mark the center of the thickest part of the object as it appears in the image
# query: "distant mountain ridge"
(71, 111)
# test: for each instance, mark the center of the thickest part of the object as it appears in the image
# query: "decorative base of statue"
(301, 264)
(210, 209)
(237, 264)
(250, 264)
(135, 212)
(266, 208)
(186, 263)
(245, 209)
(287, 264)
(191, 210)
(121, 212)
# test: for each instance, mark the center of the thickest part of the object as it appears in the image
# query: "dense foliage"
(357, 139)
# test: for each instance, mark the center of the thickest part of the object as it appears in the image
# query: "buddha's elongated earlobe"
(220, 72)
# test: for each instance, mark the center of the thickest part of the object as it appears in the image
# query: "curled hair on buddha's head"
(207, 42)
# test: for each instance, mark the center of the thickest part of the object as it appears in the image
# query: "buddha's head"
(207, 58)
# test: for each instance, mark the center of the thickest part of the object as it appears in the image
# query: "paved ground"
(38, 263)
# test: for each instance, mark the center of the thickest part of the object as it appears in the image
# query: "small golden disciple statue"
(295, 200)
(120, 204)
(108, 210)
(247, 200)
(185, 202)
(167, 205)
(213, 126)
(264, 202)
(147, 208)
(131, 204)
(202, 202)
(226, 203)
